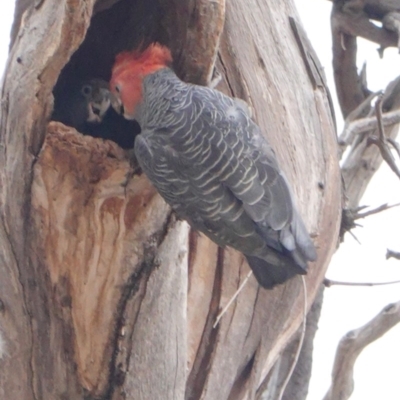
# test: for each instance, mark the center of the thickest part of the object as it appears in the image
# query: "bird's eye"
(86, 90)
(117, 88)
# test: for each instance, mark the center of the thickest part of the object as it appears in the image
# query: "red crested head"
(129, 70)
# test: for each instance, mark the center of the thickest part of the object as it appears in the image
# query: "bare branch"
(349, 216)
(350, 347)
(395, 145)
(350, 20)
(353, 128)
(363, 109)
(358, 24)
(363, 161)
(329, 282)
(378, 111)
(381, 141)
(348, 88)
(392, 254)
(391, 21)
(376, 210)
(354, 237)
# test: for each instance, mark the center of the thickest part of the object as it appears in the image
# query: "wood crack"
(199, 374)
(226, 75)
(136, 280)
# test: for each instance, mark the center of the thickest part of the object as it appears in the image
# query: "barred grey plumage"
(210, 162)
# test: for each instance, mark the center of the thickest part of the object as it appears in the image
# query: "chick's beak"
(116, 104)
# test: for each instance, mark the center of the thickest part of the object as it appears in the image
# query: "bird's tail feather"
(269, 275)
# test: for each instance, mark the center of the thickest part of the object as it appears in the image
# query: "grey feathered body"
(210, 162)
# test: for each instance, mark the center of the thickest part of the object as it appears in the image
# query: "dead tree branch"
(355, 127)
(348, 24)
(330, 282)
(391, 21)
(392, 254)
(349, 216)
(350, 347)
(381, 141)
(349, 20)
(395, 145)
(362, 160)
(376, 210)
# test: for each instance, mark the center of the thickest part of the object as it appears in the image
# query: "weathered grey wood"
(362, 161)
(348, 21)
(42, 46)
(15, 329)
(159, 352)
(195, 35)
(350, 347)
(97, 281)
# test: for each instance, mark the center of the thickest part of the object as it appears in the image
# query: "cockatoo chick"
(86, 102)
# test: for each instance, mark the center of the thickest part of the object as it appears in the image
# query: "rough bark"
(105, 294)
(297, 388)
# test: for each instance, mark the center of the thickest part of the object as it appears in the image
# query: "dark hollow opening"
(125, 25)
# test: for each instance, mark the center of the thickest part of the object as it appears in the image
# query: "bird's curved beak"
(116, 104)
(97, 109)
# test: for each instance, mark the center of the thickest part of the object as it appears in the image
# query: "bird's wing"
(201, 199)
(246, 165)
(236, 154)
(216, 170)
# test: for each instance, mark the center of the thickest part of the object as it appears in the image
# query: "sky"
(345, 308)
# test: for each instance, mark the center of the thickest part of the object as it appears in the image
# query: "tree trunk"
(106, 295)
